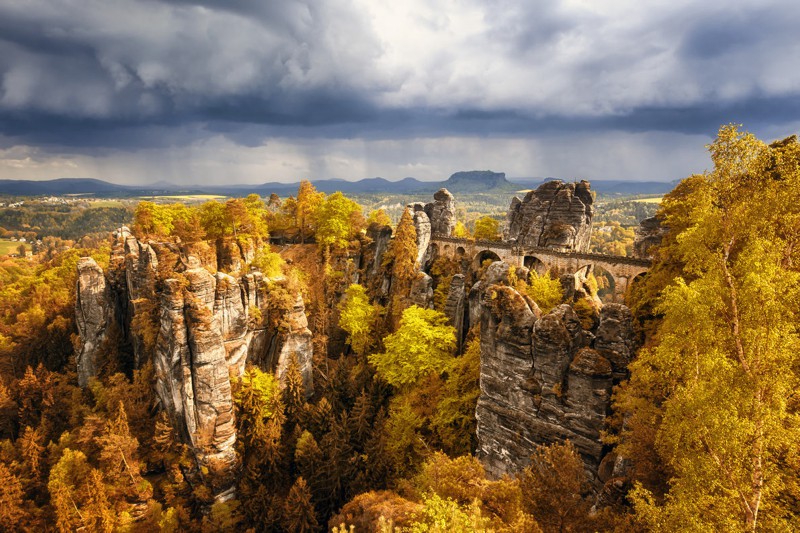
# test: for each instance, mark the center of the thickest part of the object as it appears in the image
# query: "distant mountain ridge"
(465, 182)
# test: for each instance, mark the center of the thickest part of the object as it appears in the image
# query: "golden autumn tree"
(401, 259)
(308, 200)
(719, 380)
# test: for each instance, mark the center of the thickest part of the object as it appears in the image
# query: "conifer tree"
(97, 513)
(308, 200)
(401, 257)
(299, 514)
(12, 512)
(294, 396)
(119, 457)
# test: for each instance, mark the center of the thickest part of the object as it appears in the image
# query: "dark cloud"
(138, 75)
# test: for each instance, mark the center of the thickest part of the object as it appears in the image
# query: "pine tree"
(119, 457)
(294, 396)
(12, 512)
(97, 513)
(31, 447)
(299, 514)
(308, 200)
(402, 257)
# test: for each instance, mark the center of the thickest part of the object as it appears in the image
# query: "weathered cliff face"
(94, 312)
(422, 291)
(556, 215)
(423, 226)
(454, 307)
(648, 235)
(203, 334)
(442, 213)
(544, 379)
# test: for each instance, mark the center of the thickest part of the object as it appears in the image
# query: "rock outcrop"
(94, 311)
(544, 379)
(454, 306)
(423, 226)
(196, 328)
(442, 213)
(556, 215)
(422, 291)
(648, 235)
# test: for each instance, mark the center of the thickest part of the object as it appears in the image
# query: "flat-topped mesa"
(557, 215)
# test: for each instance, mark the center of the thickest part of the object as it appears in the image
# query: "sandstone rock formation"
(196, 328)
(422, 291)
(94, 312)
(442, 213)
(423, 226)
(544, 379)
(454, 307)
(556, 215)
(648, 234)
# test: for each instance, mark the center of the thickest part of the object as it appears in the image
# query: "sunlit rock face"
(544, 378)
(556, 215)
(648, 236)
(196, 328)
(93, 315)
(442, 213)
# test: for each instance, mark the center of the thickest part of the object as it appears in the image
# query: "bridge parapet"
(621, 268)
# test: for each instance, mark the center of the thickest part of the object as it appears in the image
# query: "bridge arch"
(534, 264)
(482, 256)
(606, 284)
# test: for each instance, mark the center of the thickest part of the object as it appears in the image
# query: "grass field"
(9, 247)
(649, 200)
(184, 198)
(107, 203)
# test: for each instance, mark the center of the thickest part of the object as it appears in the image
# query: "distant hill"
(478, 181)
(466, 182)
(58, 187)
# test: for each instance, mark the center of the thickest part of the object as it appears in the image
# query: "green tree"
(487, 229)
(423, 344)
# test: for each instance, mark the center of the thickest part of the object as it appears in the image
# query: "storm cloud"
(354, 88)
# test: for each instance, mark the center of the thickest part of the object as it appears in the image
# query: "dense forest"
(360, 414)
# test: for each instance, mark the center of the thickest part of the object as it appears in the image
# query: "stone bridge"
(619, 271)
